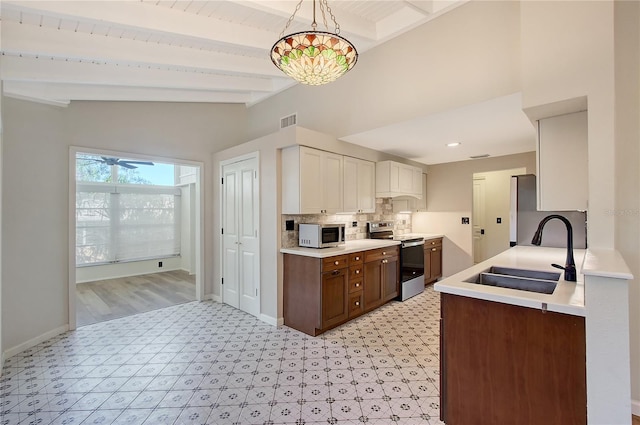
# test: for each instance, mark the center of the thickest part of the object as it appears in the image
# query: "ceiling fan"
(120, 162)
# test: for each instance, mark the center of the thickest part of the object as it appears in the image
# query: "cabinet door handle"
(336, 262)
(335, 272)
(357, 271)
(434, 249)
(433, 243)
(384, 261)
(357, 302)
(384, 253)
(357, 258)
(357, 285)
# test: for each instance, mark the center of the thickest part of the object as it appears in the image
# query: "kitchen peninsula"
(528, 357)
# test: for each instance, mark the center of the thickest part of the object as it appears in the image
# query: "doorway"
(135, 234)
(491, 212)
(240, 233)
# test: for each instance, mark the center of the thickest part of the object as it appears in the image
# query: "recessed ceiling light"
(453, 144)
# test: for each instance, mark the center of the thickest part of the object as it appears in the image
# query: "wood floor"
(635, 420)
(110, 299)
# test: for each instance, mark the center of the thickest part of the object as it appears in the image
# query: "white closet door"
(241, 247)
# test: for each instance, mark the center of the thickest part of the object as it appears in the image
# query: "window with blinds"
(119, 222)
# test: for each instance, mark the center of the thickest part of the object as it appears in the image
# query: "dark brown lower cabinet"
(432, 260)
(322, 293)
(505, 364)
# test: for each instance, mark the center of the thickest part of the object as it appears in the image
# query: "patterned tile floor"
(208, 363)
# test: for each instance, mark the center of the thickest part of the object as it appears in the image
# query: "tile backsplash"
(384, 211)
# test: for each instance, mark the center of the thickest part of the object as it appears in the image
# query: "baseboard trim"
(271, 320)
(635, 407)
(1, 363)
(34, 341)
(213, 297)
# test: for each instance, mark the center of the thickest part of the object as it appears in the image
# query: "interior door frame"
(252, 155)
(199, 212)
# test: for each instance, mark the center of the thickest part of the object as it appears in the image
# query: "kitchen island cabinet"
(505, 364)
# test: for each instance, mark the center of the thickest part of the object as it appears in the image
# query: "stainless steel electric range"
(411, 257)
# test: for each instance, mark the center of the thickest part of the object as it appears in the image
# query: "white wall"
(567, 52)
(36, 205)
(627, 179)
(468, 55)
(1, 161)
(450, 197)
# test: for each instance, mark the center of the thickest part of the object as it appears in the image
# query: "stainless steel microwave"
(321, 235)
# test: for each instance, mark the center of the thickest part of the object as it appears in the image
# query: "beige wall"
(450, 197)
(627, 177)
(468, 55)
(35, 210)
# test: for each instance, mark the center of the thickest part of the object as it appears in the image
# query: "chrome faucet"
(570, 264)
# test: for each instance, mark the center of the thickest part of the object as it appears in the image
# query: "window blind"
(119, 222)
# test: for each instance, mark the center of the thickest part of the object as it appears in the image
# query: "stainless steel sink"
(532, 274)
(521, 279)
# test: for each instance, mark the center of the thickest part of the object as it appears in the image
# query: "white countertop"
(568, 297)
(605, 263)
(352, 246)
(347, 248)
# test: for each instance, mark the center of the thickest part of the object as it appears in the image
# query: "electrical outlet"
(159, 263)
(465, 220)
(499, 220)
(354, 224)
(288, 224)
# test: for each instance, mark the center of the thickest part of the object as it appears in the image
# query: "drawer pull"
(336, 262)
(433, 243)
(357, 258)
(357, 285)
(384, 261)
(434, 249)
(384, 253)
(357, 271)
(357, 302)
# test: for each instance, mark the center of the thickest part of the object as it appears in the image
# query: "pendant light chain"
(291, 18)
(333, 18)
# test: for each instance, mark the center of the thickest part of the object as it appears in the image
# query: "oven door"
(412, 260)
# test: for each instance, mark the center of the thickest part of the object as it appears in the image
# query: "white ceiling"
(218, 51)
(495, 127)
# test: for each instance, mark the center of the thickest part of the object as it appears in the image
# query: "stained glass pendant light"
(314, 57)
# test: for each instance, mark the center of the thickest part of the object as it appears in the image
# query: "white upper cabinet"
(562, 162)
(359, 186)
(397, 179)
(409, 203)
(311, 181)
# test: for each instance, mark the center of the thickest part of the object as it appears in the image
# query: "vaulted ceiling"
(178, 50)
